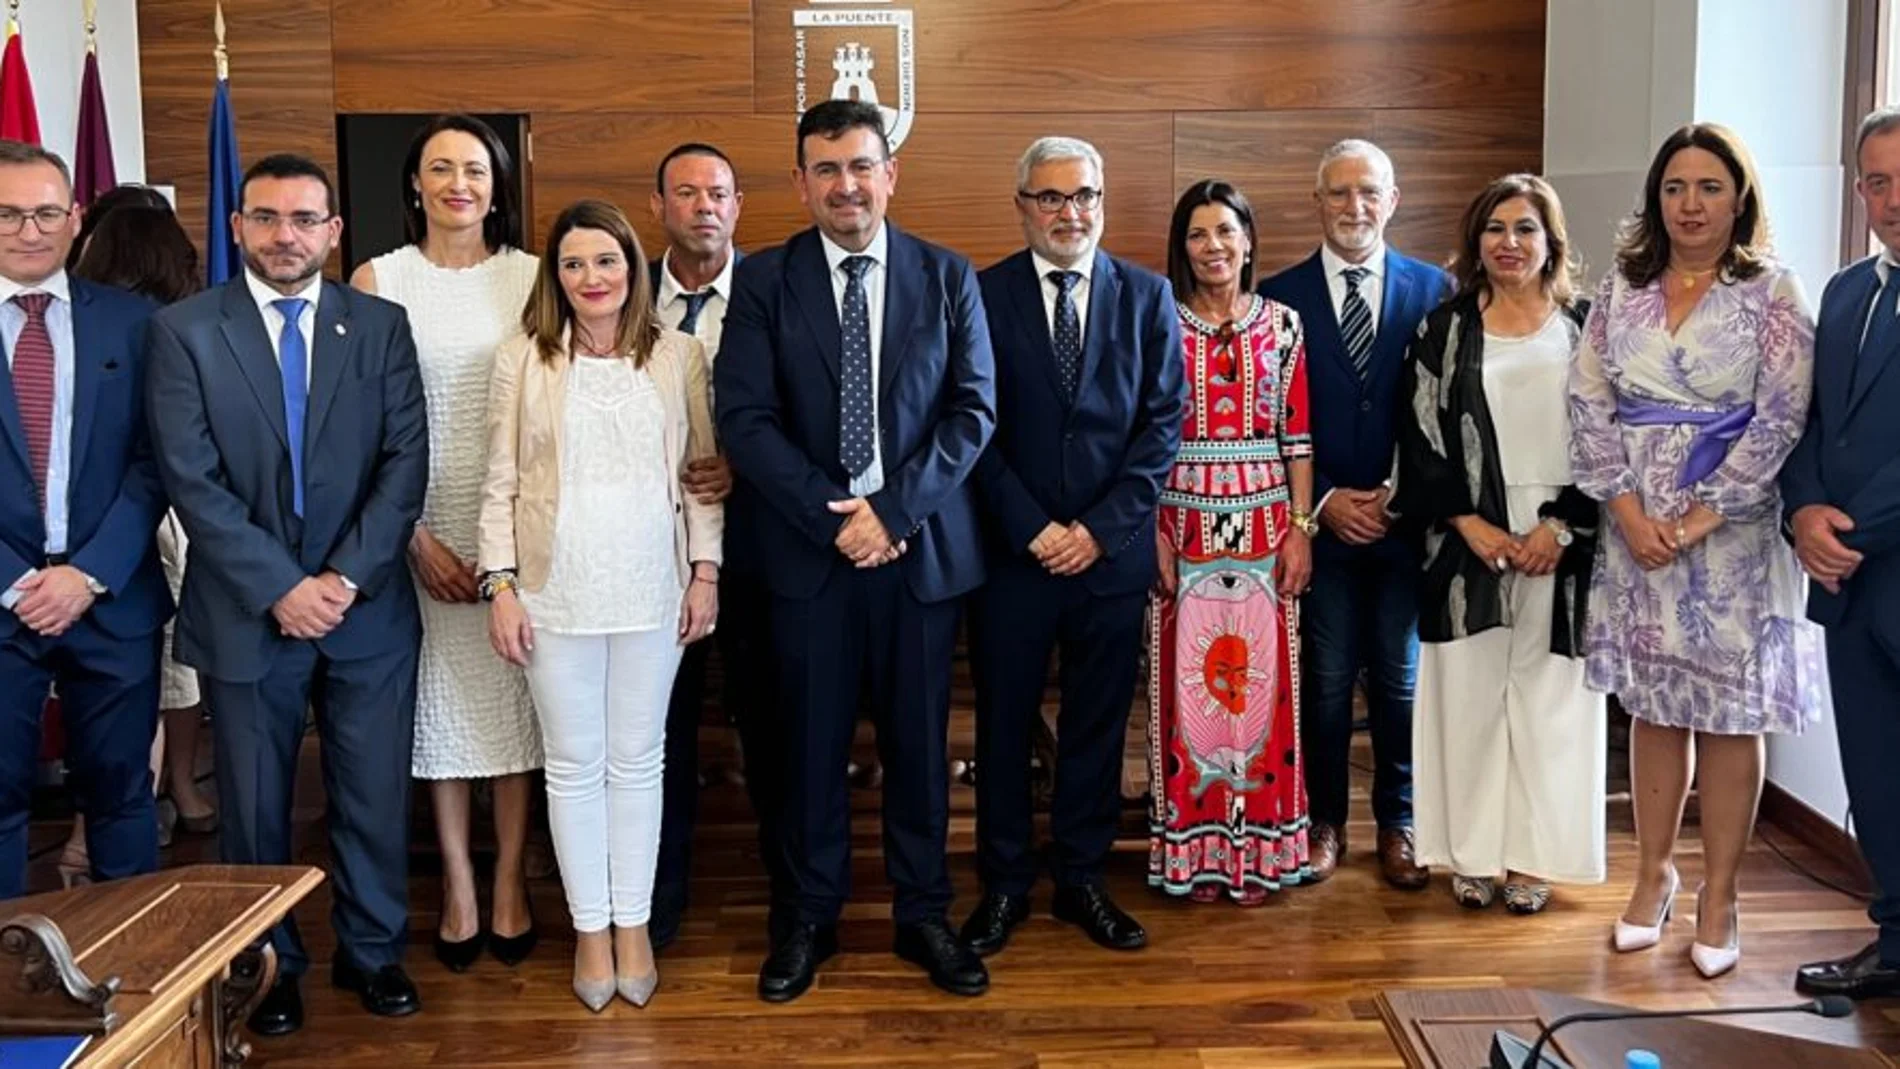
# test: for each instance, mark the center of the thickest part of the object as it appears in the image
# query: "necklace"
(1688, 278)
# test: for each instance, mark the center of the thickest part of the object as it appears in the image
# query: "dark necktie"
(33, 384)
(1883, 330)
(293, 362)
(856, 444)
(1068, 331)
(1355, 321)
(695, 304)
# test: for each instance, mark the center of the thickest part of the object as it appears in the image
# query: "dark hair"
(144, 250)
(21, 152)
(501, 227)
(1560, 270)
(129, 195)
(1878, 121)
(832, 119)
(1642, 248)
(696, 148)
(289, 165)
(1206, 191)
(548, 312)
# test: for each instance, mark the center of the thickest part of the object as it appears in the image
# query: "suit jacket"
(114, 501)
(657, 264)
(776, 391)
(1102, 458)
(1355, 423)
(521, 496)
(217, 415)
(1849, 455)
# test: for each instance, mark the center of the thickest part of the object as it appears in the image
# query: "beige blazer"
(522, 492)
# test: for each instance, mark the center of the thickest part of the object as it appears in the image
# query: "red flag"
(19, 119)
(92, 157)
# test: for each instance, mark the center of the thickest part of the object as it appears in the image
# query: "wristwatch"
(1561, 530)
(1306, 523)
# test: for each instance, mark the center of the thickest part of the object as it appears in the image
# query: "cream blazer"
(521, 495)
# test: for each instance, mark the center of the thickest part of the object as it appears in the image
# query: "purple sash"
(1716, 431)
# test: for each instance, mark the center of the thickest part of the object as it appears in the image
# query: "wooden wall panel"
(956, 179)
(543, 55)
(281, 91)
(1181, 55)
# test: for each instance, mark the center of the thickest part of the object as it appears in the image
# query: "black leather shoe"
(987, 930)
(1089, 908)
(280, 1011)
(793, 964)
(1859, 976)
(387, 992)
(458, 955)
(952, 966)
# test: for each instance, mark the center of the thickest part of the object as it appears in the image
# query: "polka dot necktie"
(1068, 331)
(856, 447)
(695, 304)
(34, 385)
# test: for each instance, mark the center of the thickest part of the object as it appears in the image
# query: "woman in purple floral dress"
(1688, 391)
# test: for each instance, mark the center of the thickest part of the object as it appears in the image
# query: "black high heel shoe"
(514, 949)
(458, 955)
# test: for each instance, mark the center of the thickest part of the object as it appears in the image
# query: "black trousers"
(1864, 671)
(867, 622)
(1017, 619)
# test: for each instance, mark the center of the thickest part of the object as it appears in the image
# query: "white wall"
(55, 36)
(1620, 76)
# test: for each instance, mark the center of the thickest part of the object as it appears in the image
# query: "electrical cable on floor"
(1799, 869)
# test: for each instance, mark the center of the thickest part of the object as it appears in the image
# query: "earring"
(417, 203)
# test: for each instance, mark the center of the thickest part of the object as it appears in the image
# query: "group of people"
(487, 511)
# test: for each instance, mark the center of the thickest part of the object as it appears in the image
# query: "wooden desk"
(1452, 1029)
(160, 969)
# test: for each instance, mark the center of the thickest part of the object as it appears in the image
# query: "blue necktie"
(856, 445)
(1355, 321)
(293, 362)
(1068, 331)
(695, 304)
(1883, 330)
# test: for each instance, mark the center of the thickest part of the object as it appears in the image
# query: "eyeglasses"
(302, 222)
(1050, 201)
(45, 218)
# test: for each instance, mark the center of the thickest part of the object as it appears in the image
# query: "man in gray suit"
(287, 416)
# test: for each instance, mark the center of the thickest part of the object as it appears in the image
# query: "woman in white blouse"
(598, 567)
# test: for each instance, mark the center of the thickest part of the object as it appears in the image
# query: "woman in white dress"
(599, 566)
(463, 279)
(1508, 743)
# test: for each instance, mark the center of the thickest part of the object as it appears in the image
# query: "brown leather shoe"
(1325, 845)
(1398, 860)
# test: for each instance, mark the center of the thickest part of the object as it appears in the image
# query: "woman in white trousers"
(598, 567)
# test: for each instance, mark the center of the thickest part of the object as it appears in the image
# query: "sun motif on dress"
(1227, 687)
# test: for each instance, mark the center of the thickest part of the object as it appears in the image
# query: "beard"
(284, 273)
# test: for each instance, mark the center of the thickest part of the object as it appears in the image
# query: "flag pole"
(92, 26)
(217, 52)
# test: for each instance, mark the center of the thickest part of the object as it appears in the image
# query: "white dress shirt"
(670, 302)
(265, 296)
(59, 451)
(1371, 287)
(1080, 294)
(874, 277)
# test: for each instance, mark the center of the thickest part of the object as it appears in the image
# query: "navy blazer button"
(1840, 443)
(1365, 406)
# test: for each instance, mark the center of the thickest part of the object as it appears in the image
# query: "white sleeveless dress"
(474, 718)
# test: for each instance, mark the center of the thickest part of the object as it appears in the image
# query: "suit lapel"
(903, 297)
(88, 368)
(809, 278)
(1322, 328)
(1032, 321)
(1866, 368)
(10, 412)
(330, 344)
(1105, 291)
(255, 356)
(1394, 329)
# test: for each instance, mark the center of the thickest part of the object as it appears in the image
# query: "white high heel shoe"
(1628, 938)
(1710, 961)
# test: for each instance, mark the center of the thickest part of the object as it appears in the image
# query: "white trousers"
(601, 700)
(1508, 744)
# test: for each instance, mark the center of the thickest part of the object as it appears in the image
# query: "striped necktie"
(695, 304)
(33, 384)
(1355, 321)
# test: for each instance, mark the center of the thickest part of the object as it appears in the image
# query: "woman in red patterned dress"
(1229, 812)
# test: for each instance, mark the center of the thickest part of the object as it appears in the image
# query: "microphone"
(1510, 1052)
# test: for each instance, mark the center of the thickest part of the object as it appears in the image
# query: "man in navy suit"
(1361, 302)
(288, 419)
(696, 200)
(85, 601)
(1089, 397)
(1841, 493)
(855, 394)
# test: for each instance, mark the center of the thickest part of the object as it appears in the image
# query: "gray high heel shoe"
(638, 989)
(594, 994)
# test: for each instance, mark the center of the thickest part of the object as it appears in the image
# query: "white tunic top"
(1527, 386)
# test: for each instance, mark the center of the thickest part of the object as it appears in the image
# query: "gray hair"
(20, 153)
(1051, 149)
(1878, 121)
(1354, 148)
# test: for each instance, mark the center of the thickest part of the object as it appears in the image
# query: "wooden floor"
(1289, 984)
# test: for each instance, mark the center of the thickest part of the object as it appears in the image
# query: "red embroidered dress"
(1223, 728)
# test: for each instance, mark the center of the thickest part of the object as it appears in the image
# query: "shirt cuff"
(351, 587)
(12, 595)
